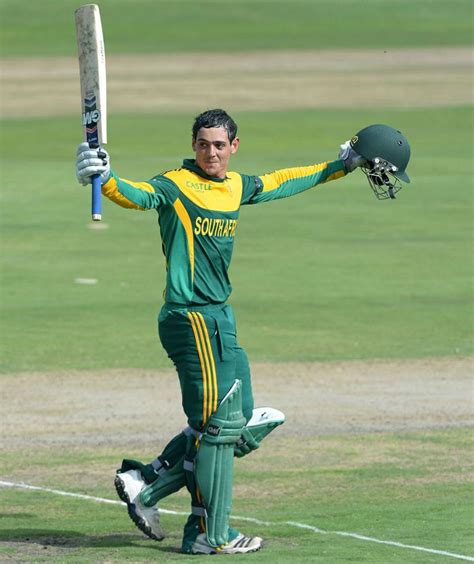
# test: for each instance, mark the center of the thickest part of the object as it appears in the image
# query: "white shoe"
(147, 519)
(239, 545)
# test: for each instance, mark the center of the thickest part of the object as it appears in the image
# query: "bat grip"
(96, 198)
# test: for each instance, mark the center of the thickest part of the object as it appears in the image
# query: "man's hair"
(215, 118)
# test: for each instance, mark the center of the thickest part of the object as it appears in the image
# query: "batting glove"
(92, 161)
(352, 160)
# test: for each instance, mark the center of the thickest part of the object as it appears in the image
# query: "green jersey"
(198, 218)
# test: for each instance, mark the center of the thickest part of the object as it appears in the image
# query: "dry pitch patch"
(259, 80)
(118, 408)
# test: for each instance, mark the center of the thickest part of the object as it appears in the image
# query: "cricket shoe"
(129, 485)
(240, 545)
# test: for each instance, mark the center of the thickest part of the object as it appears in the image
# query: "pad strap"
(168, 482)
(160, 468)
(199, 510)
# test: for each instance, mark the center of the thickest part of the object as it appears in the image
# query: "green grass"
(404, 487)
(330, 274)
(145, 26)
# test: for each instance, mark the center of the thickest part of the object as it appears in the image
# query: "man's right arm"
(134, 195)
(126, 193)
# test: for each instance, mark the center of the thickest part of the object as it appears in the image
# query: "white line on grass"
(24, 486)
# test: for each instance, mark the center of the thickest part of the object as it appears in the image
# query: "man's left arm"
(290, 181)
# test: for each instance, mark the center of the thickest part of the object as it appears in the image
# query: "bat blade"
(92, 72)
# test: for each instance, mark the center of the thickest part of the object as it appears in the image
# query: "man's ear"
(234, 146)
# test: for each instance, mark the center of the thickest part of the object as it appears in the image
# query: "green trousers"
(202, 343)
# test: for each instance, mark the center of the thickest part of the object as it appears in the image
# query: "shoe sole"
(140, 523)
(197, 553)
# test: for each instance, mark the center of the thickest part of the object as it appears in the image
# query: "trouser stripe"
(203, 367)
(213, 402)
(205, 353)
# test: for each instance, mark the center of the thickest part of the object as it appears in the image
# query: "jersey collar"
(190, 164)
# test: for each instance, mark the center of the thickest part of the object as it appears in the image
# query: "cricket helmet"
(387, 153)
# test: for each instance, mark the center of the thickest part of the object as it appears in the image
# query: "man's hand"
(352, 160)
(92, 161)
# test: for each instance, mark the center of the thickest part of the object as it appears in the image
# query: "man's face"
(213, 150)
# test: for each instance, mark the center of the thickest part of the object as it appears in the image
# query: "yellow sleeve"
(291, 181)
(133, 195)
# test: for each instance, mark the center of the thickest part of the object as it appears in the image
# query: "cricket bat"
(90, 46)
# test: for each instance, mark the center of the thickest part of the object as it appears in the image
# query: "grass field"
(354, 477)
(332, 275)
(368, 278)
(164, 26)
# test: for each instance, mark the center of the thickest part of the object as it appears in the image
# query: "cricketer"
(198, 210)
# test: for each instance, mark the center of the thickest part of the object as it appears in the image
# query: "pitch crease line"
(24, 486)
(78, 496)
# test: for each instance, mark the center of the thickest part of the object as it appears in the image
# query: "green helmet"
(387, 152)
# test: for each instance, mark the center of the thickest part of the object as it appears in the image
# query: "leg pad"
(214, 464)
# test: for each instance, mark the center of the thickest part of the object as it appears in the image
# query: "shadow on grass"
(74, 539)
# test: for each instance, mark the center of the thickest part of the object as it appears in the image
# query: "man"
(198, 206)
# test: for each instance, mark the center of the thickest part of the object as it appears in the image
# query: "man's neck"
(191, 164)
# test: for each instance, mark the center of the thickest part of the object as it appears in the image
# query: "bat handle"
(96, 198)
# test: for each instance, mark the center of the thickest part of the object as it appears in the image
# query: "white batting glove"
(352, 160)
(92, 161)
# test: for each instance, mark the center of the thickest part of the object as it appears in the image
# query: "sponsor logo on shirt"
(210, 227)
(199, 186)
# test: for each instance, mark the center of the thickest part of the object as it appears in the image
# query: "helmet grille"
(380, 174)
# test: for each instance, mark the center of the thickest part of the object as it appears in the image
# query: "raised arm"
(134, 195)
(126, 193)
